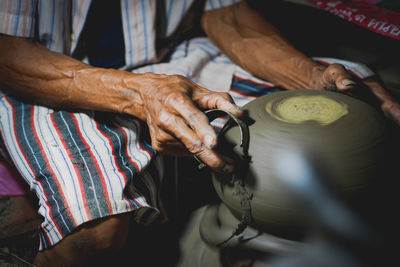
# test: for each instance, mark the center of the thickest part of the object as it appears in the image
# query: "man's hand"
(336, 78)
(171, 107)
(258, 47)
(333, 78)
(389, 105)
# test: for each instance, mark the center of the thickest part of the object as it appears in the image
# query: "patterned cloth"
(87, 165)
(382, 17)
(79, 166)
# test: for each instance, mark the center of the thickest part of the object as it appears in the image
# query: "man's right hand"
(171, 105)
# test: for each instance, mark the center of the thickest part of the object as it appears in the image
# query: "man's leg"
(85, 169)
(99, 238)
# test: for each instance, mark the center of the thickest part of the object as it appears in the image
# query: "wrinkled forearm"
(30, 71)
(250, 41)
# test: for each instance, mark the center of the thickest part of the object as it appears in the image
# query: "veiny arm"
(31, 71)
(169, 104)
(253, 43)
(250, 41)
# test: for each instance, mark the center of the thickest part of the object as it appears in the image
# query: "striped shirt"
(20, 17)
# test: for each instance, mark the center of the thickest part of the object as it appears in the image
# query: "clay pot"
(346, 133)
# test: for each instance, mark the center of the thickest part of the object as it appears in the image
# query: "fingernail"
(227, 168)
(209, 141)
(347, 82)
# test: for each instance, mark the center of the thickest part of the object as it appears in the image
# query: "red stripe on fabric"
(17, 140)
(241, 94)
(112, 152)
(133, 162)
(115, 161)
(50, 169)
(77, 172)
(252, 81)
(30, 166)
(26, 160)
(95, 162)
(140, 204)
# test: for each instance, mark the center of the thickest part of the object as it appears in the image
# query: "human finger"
(165, 143)
(217, 100)
(185, 108)
(392, 111)
(389, 104)
(337, 76)
(196, 147)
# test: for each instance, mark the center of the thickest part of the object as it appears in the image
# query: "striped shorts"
(81, 165)
(88, 165)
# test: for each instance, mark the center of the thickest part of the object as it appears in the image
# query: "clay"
(218, 223)
(347, 134)
(210, 225)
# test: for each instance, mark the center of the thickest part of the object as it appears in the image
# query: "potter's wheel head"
(346, 133)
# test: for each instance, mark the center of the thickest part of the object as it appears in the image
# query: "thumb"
(336, 77)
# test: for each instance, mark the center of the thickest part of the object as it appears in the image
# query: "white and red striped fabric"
(79, 166)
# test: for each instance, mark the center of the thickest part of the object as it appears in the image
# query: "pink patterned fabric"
(11, 184)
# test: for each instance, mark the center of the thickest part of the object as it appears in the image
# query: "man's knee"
(93, 239)
(108, 233)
